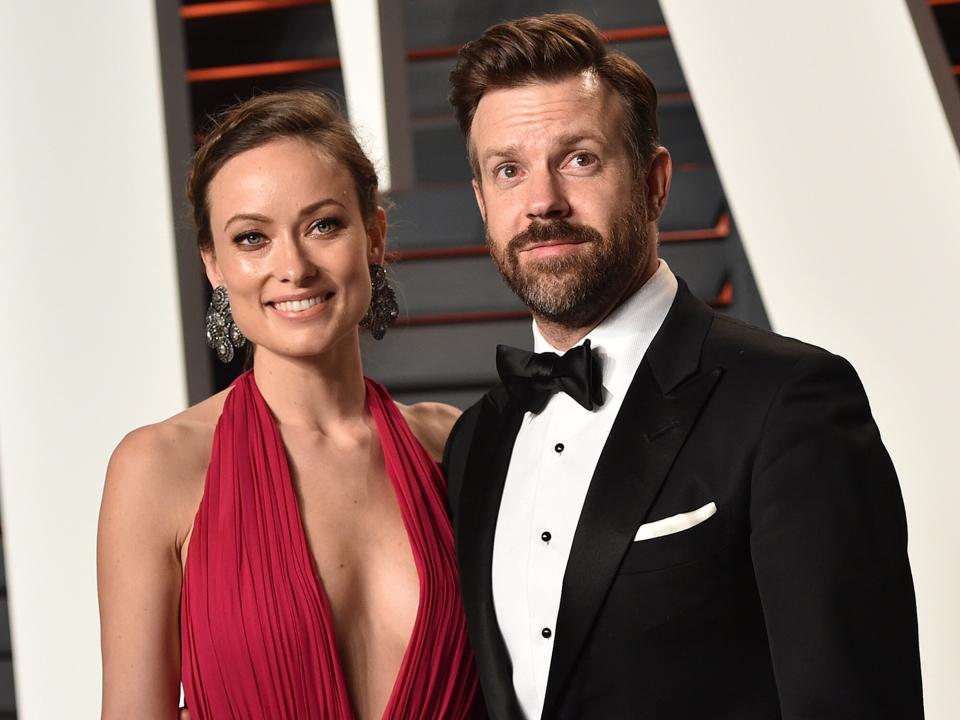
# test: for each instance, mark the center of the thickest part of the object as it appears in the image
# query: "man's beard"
(573, 289)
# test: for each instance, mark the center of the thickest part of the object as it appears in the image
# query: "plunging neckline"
(256, 623)
(301, 533)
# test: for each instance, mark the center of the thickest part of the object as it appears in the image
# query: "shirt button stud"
(558, 447)
(546, 633)
(545, 536)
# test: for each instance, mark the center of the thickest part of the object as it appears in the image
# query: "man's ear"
(377, 238)
(211, 268)
(658, 180)
(478, 193)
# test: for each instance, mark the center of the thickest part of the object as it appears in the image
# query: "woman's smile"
(302, 307)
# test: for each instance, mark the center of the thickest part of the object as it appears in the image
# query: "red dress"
(256, 626)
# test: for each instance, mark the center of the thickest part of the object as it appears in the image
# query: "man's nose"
(291, 262)
(547, 199)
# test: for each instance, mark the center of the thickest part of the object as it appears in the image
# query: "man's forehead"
(537, 112)
(585, 90)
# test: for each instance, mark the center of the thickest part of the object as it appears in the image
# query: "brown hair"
(297, 113)
(547, 48)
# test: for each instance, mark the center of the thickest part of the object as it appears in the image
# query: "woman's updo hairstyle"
(302, 114)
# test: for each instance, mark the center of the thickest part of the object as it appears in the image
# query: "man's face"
(567, 219)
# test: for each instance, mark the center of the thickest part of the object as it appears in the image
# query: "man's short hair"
(548, 48)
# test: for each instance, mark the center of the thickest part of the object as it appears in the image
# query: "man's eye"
(583, 160)
(250, 239)
(507, 172)
(325, 226)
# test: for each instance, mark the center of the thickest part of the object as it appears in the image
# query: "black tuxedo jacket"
(793, 601)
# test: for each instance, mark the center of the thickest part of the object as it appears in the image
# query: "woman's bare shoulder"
(431, 422)
(173, 444)
(159, 468)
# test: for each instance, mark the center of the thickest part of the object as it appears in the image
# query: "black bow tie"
(531, 378)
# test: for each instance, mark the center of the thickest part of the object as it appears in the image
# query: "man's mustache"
(538, 233)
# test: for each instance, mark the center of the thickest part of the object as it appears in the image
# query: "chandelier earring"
(223, 335)
(383, 311)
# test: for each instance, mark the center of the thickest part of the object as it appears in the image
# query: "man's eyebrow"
(308, 210)
(505, 151)
(579, 137)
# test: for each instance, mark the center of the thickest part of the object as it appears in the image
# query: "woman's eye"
(250, 239)
(325, 226)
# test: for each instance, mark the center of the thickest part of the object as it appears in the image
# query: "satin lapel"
(657, 414)
(483, 481)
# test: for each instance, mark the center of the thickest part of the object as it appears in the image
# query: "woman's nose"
(293, 265)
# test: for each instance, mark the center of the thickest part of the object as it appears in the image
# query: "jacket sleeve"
(455, 454)
(829, 548)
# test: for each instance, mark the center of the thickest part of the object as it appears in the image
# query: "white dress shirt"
(553, 461)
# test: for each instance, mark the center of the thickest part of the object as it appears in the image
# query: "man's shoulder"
(734, 341)
(457, 451)
(466, 425)
(761, 362)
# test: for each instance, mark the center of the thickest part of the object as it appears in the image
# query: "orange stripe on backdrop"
(646, 32)
(447, 51)
(945, 2)
(723, 299)
(238, 7)
(232, 72)
(717, 232)
(281, 67)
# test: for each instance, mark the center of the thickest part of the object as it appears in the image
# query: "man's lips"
(552, 247)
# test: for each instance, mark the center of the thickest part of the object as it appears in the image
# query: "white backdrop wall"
(844, 179)
(90, 328)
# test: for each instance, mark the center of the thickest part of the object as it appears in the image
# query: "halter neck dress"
(256, 626)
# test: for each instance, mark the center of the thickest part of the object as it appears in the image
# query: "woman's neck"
(319, 393)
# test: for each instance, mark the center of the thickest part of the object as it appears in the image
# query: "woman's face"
(291, 247)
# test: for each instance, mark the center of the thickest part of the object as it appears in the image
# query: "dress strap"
(437, 678)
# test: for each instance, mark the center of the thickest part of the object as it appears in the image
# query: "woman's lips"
(301, 308)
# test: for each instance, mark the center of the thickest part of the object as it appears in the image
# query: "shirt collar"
(623, 337)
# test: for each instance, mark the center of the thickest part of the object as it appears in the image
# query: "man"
(674, 515)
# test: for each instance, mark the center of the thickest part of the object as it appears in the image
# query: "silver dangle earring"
(223, 335)
(383, 310)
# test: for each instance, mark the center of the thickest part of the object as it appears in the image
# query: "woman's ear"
(377, 238)
(211, 268)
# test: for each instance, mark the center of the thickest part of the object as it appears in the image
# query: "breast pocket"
(678, 539)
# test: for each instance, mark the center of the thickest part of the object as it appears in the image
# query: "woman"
(282, 546)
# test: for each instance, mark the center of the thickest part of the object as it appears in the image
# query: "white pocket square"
(676, 523)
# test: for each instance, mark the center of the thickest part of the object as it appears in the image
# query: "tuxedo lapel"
(661, 406)
(483, 482)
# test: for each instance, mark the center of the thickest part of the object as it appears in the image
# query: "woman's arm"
(139, 576)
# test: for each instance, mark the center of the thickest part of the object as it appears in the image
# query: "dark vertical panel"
(176, 110)
(8, 702)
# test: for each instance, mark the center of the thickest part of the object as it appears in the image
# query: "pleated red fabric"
(256, 625)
